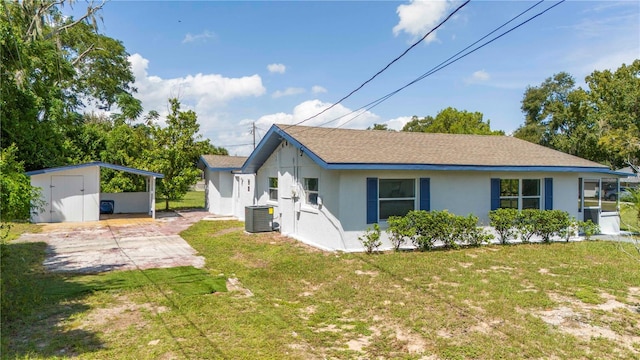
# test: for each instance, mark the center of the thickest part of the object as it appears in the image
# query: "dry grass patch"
(309, 304)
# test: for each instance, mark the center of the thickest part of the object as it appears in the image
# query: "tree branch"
(81, 56)
(90, 12)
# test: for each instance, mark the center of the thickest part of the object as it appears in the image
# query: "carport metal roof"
(97, 163)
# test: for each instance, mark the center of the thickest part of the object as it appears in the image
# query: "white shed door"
(67, 198)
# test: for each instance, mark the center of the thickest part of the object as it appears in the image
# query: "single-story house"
(227, 191)
(327, 185)
(72, 193)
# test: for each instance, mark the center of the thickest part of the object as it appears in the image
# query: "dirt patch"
(120, 316)
(369, 273)
(234, 285)
(585, 320)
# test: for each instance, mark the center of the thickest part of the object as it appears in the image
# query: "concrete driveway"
(119, 244)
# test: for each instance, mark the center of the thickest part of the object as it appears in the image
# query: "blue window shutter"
(425, 194)
(372, 200)
(548, 193)
(495, 194)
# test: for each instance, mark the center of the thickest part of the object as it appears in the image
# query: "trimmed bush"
(504, 221)
(426, 228)
(552, 223)
(400, 230)
(526, 224)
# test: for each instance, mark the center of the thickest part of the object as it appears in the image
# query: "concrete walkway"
(119, 244)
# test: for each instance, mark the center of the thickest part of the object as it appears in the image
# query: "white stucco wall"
(341, 219)
(227, 193)
(243, 193)
(128, 202)
(90, 199)
(316, 225)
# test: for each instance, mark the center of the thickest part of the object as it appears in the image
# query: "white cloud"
(288, 92)
(206, 94)
(276, 68)
(419, 17)
(336, 116)
(478, 77)
(317, 89)
(203, 36)
(398, 123)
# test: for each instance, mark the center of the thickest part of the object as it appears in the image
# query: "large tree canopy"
(51, 67)
(452, 121)
(600, 123)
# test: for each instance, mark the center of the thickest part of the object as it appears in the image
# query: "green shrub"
(526, 224)
(400, 230)
(588, 228)
(371, 239)
(426, 228)
(468, 233)
(504, 222)
(552, 223)
(426, 231)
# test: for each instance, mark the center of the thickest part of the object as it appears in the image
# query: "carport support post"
(151, 185)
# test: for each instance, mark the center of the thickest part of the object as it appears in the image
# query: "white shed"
(72, 193)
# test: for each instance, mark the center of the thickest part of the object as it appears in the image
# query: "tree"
(600, 123)
(175, 151)
(51, 65)
(379, 127)
(16, 193)
(452, 121)
(615, 104)
(556, 116)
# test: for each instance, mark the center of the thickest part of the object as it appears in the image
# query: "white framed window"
(273, 188)
(520, 194)
(311, 190)
(396, 197)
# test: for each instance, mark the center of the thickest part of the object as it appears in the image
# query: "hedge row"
(511, 224)
(425, 228)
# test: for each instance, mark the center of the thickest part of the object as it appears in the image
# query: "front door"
(67, 198)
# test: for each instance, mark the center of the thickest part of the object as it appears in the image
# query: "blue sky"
(239, 62)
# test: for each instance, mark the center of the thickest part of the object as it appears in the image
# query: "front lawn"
(288, 301)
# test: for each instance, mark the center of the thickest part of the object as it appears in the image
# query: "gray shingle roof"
(346, 146)
(223, 161)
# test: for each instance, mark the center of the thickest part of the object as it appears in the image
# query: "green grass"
(629, 219)
(13, 230)
(192, 200)
(299, 303)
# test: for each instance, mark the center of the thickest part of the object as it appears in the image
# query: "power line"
(452, 59)
(449, 61)
(387, 66)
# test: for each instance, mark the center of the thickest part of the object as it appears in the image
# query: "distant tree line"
(600, 123)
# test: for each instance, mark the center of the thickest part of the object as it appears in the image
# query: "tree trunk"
(166, 203)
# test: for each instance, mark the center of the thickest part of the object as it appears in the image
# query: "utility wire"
(452, 59)
(386, 67)
(448, 62)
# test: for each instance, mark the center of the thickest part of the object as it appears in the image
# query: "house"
(227, 191)
(72, 193)
(328, 185)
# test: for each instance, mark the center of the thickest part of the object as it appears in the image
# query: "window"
(396, 197)
(311, 190)
(517, 194)
(273, 188)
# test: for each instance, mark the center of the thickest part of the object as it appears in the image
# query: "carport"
(72, 193)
